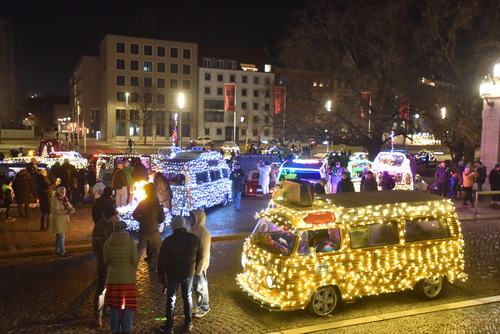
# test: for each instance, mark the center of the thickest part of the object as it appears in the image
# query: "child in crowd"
(453, 186)
(8, 199)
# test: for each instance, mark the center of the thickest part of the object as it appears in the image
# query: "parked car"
(203, 140)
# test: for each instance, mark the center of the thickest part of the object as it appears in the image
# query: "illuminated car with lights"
(198, 179)
(397, 165)
(310, 170)
(252, 184)
(318, 253)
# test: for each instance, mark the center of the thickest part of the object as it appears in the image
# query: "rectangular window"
(243, 132)
(174, 68)
(219, 132)
(220, 77)
(207, 90)
(220, 63)
(244, 79)
(174, 84)
(148, 50)
(426, 229)
(120, 64)
(255, 93)
(255, 132)
(207, 62)
(268, 80)
(134, 65)
(148, 82)
(160, 51)
(255, 106)
(186, 69)
(243, 105)
(160, 98)
(120, 47)
(120, 80)
(134, 81)
(134, 97)
(232, 78)
(174, 53)
(186, 53)
(148, 66)
(148, 98)
(220, 90)
(161, 67)
(120, 96)
(207, 77)
(160, 83)
(256, 80)
(232, 64)
(256, 119)
(268, 93)
(374, 235)
(186, 84)
(134, 49)
(266, 133)
(266, 119)
(244, 92)
(266, 106)
(207, 131)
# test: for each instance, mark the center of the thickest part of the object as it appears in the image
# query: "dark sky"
(51, 36)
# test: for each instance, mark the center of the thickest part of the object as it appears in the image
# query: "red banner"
(279, 99)
(229, 97)
(367, 96)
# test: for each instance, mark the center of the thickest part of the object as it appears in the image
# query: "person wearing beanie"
(120, 255)
(197, 220)
(101, 232)
(102, 202)
(149, 213)
(179, 257)
(494, 179)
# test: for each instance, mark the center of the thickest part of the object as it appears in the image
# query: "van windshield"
(270, 237)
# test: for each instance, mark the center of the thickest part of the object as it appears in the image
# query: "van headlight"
(243, 260)
(270, 281)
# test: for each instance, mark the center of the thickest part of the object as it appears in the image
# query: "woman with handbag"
(60, 211)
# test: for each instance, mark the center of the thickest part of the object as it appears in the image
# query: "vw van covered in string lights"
(316, 253)
(198, 179)
(397, 165)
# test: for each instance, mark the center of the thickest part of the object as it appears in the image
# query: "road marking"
(393, 315)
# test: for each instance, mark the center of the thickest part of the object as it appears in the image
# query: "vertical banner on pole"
(279, 99)
(229, 97)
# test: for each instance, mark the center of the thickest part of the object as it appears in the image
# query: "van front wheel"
(324, 301)
(430, 288)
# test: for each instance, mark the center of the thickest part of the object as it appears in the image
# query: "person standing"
(273, 176)
(8, 199)
(140, 171)
(468, 177)
(120, 255)
(101, 203)
(264, 177)
(23, 191)
(179, 256)
(69, 178)
(345, 185)
(119, 183)
(163, 190)
(128, 170)
(481, 175)
(149, 213)
(45, 190)
(130, 144)
(442, 176)
(32, 170)
(101, 232)
(368, 183)
(387, 182)
(237, 178)
(60, 211)
(494, 179)
(336, 173)
(91, 179)
(98, 189)
(197, 219)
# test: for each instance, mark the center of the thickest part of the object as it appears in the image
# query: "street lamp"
(328, 105)
(127, 117)
(180, 102)
(443, 112)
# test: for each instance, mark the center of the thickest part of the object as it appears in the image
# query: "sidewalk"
(23, 237)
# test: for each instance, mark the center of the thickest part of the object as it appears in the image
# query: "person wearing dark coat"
(345, 185)
(90, 179)
(101, 203)
(33, 170)
(23, 190)
(140, 172)
(494, 179)
(45, 189)
(69, 178)
(179, 256)
(442, 176)
(369, 183)
(387, 182)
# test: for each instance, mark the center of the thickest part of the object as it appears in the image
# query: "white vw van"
(317, 252)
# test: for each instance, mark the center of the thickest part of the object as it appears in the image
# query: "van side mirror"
(312, 251)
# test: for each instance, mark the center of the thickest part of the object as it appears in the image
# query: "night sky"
(51, 36)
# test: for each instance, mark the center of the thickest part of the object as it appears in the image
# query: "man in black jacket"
(102, 202)
(180, 254)
(119, 183)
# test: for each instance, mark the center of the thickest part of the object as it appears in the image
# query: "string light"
(357, 272)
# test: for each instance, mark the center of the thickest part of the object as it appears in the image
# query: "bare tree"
(145, 109)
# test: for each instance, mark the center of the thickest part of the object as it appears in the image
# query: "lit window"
(148, 66)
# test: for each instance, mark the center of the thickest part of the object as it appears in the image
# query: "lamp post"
(490, 135)
(127, 118)
(180, 102)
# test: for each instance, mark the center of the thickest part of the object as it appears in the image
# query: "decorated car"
(397, 165)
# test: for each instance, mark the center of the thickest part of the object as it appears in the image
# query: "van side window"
(201, 177)
(374, 235)
(426, 229)
(323, 241)
(214, 175)
(225, 173)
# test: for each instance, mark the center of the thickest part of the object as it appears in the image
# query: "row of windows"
(220, 63)
(148, 82)
(147, 50)
(147, 66)
(148, 98)
(232, 78)
(244, 92)
(243, 132)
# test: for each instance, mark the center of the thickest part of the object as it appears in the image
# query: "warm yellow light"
(181, 100)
